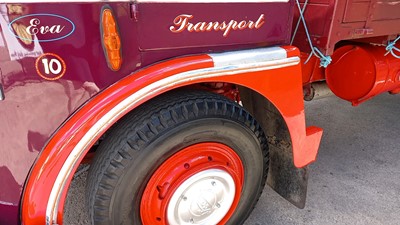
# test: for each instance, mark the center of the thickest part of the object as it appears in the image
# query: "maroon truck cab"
(162, 98)
(53, 60)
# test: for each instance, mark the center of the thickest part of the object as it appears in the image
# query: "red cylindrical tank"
(359, 72)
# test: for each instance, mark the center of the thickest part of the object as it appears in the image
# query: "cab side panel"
(51, 61)
(173, 28)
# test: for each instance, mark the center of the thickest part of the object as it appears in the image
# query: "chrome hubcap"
(203, 198)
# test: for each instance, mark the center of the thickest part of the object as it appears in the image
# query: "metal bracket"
(2, 96)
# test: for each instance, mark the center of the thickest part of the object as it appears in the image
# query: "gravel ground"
(356, 179)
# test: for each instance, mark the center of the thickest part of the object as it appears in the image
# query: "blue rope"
(324, 60)
(390, 48)
(298, 22)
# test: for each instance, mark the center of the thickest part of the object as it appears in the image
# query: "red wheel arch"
(272, 72)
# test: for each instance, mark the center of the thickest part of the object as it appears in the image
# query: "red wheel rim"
(177, 170)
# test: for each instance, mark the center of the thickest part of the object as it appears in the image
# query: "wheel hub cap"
(204, 198)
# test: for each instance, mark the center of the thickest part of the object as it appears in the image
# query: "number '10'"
(54, 66)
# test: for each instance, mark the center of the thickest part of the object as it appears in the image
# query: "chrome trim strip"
(248, 56)
(224, 68)
(2, 96)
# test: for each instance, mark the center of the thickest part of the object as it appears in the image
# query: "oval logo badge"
(46, 27)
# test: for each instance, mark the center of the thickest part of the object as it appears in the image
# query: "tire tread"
(153, 118)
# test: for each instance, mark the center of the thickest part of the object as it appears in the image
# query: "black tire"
(140, 142)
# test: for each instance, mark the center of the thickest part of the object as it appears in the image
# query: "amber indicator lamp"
(110, 39)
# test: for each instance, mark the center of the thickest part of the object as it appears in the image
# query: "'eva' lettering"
(35, 28)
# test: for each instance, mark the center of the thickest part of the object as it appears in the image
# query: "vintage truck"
(183, 108)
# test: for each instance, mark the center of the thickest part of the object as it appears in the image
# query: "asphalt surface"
(356, 179)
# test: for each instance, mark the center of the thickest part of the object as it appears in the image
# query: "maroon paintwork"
(157, 42)
(34, 107)
(330, 21)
